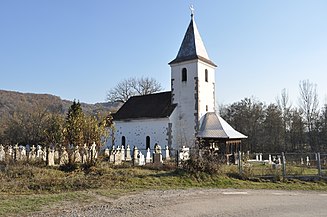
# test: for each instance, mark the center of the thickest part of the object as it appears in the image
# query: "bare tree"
(133, 87)
(308, 103)
(284, 106)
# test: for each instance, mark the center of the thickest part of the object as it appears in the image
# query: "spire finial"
(192, 10)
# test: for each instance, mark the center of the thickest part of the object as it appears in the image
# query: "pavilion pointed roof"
(192, 46)
(215, 127)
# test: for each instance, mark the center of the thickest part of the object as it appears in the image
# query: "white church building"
(184, 115)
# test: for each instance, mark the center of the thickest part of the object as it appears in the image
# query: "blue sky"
(79, 49)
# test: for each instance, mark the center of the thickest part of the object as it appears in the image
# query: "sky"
(79, 49)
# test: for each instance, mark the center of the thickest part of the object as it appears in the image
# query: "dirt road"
(208, 202)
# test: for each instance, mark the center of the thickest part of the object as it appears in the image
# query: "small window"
(206, 75)
(123, 141)
(184, 74)
(147, 142)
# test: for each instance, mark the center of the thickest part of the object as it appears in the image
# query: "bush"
(207, 163)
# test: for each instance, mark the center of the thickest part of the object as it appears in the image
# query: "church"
(186, 114)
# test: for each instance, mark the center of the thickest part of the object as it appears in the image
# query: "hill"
(11, 101)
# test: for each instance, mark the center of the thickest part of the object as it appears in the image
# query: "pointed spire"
(192, 46)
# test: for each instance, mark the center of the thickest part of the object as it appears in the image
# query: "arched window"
(123, 141)
(206, 75)
(147, 142)
(184, 74)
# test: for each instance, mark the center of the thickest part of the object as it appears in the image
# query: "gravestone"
(84, 152)
(122, 153)
(51, 157)
(107, 152)
(93, 151)
(44, 154)
(10, 152)
(135, 156)
(64, 158)
(77, 155)
(167, 153)
(16, 152)
(32, 154)
(184, 154)
(22, 153)
(157, 156)
(148, 157)
(2, 153)
(39, 152)
(128, 153)
(117, 156)
(141, 159)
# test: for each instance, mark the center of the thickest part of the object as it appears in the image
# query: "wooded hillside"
(23, 114)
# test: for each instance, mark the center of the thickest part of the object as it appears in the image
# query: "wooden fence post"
(284, 165)
(318, 164)
(240, 162)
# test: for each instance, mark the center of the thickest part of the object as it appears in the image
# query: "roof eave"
(196, 57)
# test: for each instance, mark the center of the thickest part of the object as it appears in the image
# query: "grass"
(30, 188)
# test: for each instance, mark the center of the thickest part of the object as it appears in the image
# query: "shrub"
(206, 163)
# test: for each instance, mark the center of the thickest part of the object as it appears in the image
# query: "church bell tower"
(192, 86)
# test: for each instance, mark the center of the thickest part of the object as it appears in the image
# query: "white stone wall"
(192, 105)
(206, 89)
(136, 131)
(183, 94)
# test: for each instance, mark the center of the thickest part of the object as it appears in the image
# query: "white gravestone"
(148, 156)
(184, 154)
(122, 153)
(77, 155)
(128, 153)
(10, 152)
(141, 159)
(135, 156)
(32, 154)
(2, 153)
(64, 158)
(51, 157)
(167, 153)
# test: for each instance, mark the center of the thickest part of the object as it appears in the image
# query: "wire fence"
(284, 165)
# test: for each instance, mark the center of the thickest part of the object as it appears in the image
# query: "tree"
(272, 126)
(323, 129)
(74, 124)
(285, 107)
(54, 129)
(297, 131)
(247, 117)
(133, 87)
(308, 102)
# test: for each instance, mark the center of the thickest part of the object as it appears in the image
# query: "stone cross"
(32, 154)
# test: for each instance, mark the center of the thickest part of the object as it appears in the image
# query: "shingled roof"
(192, 46)
(214, 126)
(148, 106)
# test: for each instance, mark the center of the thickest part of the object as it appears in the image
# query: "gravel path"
(204, 202)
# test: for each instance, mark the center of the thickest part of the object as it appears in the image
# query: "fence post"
(177, 156)
(284, 165)
(240, 162)
(319, 164)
